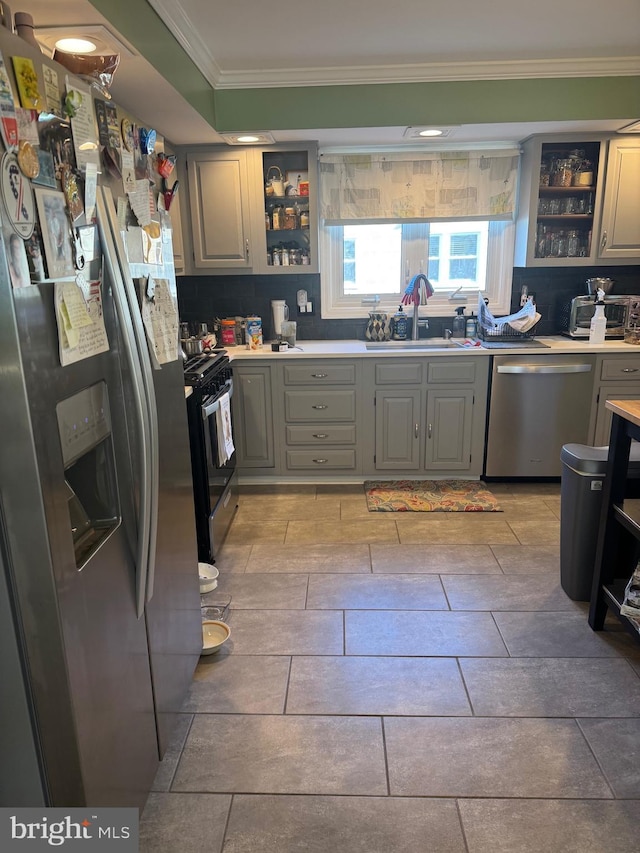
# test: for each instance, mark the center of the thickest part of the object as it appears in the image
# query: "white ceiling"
(246, 43)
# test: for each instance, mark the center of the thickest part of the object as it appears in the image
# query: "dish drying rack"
(497, 331)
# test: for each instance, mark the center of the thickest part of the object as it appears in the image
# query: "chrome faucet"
(417, 323)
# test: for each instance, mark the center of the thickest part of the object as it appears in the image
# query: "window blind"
(435, 186)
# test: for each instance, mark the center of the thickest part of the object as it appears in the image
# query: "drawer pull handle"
(629, 369)
(320, 406)
(321, 435)
(319, 375)
(320, 461)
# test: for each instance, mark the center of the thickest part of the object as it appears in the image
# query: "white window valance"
(414, 187)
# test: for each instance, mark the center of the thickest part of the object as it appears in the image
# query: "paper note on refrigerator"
(81, 330)
(160, 317)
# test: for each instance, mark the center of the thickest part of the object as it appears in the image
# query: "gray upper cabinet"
(579, 202)
(253, 210)
(220, 209)
(620, 229)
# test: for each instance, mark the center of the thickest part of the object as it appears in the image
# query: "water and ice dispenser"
(84, 426)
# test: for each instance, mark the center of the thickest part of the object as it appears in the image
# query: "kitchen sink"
(425, 344)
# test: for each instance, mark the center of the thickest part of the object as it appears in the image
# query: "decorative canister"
(254, 333)
(277, 218)
(304, 218)
(228, 332)
(562, 174)
(378, 327)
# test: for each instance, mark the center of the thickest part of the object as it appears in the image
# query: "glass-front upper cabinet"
(289, 180)
(560, 202)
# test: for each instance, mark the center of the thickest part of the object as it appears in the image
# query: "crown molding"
(178, 22)
(181, 27)
(430, 72)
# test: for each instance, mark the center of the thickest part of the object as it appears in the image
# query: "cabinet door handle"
(320, 406)
(321, 461)
(429, 431)
(246, 243)
(416, 429)
(321, 435)
(603, 242)
(319, 375)
(629, 369)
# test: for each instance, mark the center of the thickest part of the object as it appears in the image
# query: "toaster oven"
(576, 321)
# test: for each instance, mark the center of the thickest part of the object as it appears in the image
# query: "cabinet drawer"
(620, 368)
(322, 373)
(320, 405)
(321, 458)
(326, 434)
(408, 373)
(451, 371)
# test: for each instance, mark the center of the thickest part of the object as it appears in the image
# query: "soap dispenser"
(458, 325)
(400, 325)
(598, 328)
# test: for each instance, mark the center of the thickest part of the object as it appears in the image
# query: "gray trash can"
(583, 470)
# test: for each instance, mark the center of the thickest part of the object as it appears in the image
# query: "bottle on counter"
(471, 326)
(400, 325)
(458, 324)
(598, 328)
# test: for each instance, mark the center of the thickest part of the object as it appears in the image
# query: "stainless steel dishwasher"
(537, 404)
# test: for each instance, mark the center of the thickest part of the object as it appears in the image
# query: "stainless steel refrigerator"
(99, 598)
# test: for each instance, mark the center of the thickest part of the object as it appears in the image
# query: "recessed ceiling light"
(262, 137)
(428, 132)
(75, 45)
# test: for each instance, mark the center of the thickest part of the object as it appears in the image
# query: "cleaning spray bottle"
(598, 328)
(458, 324)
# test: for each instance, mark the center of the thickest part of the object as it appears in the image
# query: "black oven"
(214, 480)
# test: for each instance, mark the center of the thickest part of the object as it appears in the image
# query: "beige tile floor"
(414, 683)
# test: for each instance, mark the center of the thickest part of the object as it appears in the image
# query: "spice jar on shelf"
(562, 173)
(583, 174)
(545, 173)
(277, 218)
(290, 219)
(304, 218)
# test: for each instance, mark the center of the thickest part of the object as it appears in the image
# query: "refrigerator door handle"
(141, 413)
(152, 484)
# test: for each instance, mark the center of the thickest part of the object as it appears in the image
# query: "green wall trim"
(464, 102)
(137, 21)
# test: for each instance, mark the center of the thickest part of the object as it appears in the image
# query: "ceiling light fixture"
(428, 132)
(257, 137)
(103, 40)
(75, 45)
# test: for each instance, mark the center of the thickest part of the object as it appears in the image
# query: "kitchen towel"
(223, 429)
(429, 496)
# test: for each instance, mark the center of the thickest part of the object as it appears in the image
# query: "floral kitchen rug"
(429, 496)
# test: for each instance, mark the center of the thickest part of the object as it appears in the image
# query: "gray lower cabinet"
(397, 429)
(449, 420)
(618, 378)
(433, 418)
(319, 409)
(253, 416)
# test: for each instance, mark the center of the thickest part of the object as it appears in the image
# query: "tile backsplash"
(202, 298)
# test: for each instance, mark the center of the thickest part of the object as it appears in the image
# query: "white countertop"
(354, 348)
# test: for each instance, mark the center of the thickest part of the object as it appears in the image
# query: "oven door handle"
(213, 407)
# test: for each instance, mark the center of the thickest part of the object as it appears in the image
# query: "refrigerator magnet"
(18, 197)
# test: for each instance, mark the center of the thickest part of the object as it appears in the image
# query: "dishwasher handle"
(544, 368)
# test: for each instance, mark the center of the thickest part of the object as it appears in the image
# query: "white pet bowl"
(208, 577)
(214, 634)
